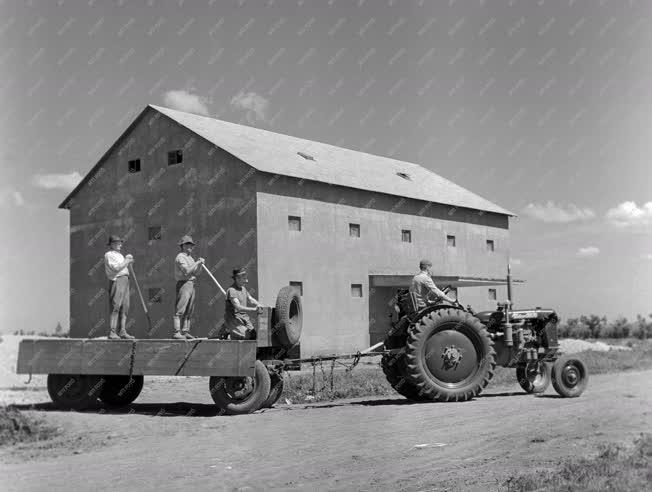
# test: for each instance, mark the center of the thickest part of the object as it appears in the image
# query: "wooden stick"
(214, 279)
(140, 294)
(372, 348)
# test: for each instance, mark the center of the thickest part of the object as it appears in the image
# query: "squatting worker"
(423, 286)
(115, 267)
(236, 317)
(186, 270)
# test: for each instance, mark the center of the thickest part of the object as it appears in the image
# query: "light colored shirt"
(422, 286)
(112, 261)
(184, 267)
(232, 317)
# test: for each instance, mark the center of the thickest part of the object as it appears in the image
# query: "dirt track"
(371, 444)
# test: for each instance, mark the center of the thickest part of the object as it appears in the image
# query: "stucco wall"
(327, 260)
(209, 195)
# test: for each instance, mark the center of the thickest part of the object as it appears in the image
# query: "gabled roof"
(305, 159)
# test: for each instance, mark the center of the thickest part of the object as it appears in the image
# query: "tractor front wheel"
(569, 376)
(534, 377)
(241, 395)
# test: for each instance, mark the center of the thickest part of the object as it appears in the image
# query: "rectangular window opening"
(175, 157)
(490, 245)
(294, 223)
(450, 241)
(155, 295)
(354, 230)
(406, 236)
(356, 290)
(452, 292)
(154, 233)
(492, 294)
(298, 286)
(134, 166)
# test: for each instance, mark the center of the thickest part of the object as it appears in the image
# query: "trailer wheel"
(394, 368)
(569, 376)
(275, 390)
(449, 355)
(241, 395)
(73, 391)
(534, 377)
(119, 391)
(288, 316)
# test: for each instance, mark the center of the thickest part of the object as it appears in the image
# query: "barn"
(346, 228)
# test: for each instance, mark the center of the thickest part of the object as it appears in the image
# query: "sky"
(543, 107)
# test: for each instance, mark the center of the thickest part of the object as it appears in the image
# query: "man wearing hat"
(117, 271)
(236, 317)
(186, 270)
(423, 286)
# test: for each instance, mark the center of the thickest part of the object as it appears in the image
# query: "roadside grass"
(615, 468)
(369, 380)
(16, 427)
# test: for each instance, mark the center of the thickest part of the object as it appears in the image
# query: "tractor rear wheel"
(241, 395)
(119, 391)
(73, 391)
(534, 377)
(394, 368)
(449, 355)
(569, 376)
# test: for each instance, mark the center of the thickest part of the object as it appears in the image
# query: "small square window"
(134, 166)
(154, 233)
(450, 241)
(354, 230)
(175, 157)
(406, 236)
(294, 223)
(356, 290)
(298, 286)
(492, 294)
(452, 292)
(490, 245)
(155, 295)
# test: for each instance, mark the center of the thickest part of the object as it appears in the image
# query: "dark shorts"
(119, 295)
(185, 304)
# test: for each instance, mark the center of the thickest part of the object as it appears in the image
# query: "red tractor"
(445, 352)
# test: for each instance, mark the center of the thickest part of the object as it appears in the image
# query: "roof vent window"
(404, 176)
(306, 156)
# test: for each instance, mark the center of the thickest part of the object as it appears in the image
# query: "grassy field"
(369, 380)
(615, 468)
(16, 427)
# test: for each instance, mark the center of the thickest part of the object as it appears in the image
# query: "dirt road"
(372, 444)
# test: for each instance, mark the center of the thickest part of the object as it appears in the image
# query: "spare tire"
(288, 316)
(449, 355)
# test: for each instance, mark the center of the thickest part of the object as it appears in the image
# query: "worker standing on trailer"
(186, 270)
(116, 268)
(236, 319)
(423, 286)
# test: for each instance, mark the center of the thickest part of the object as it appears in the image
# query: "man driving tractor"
(423, 287)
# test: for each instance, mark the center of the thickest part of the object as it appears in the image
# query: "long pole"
(214, 279)
(142, 300)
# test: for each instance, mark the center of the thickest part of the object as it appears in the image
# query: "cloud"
(185, 101)
(628, 214)
(9, 196)
(255, 105)
(550, 212)
(57, 181)
(588, 251)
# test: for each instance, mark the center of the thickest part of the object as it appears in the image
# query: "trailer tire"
(73, 391)
(449, 355)
(534, 377)
(288, 316)
(394, 368)
(275, 390)
(569, 376)
(120, 391)
(240, 395)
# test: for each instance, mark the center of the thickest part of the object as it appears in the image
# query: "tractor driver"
(236, 317)
(423, 286)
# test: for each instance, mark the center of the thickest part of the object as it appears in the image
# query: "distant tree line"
(58, 332)
(594, 326)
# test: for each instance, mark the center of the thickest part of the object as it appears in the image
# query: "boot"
(177, 329)
(123, 330)
(113, 323)
(185, 331)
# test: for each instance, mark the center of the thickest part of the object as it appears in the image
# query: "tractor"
(447, 352)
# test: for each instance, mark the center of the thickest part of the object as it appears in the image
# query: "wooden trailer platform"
(201, 357)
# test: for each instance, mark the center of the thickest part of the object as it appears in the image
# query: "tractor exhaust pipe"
(509, 284)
